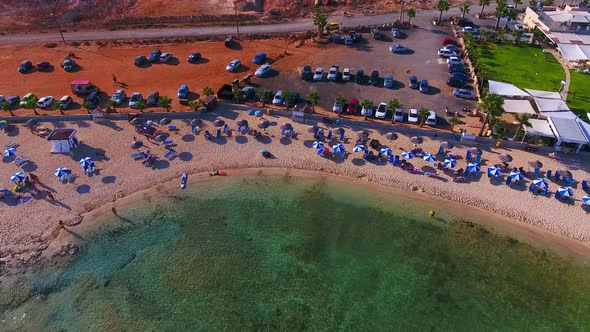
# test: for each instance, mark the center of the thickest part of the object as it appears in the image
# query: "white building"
(63, 140)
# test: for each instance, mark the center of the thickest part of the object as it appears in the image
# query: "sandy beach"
(28, 230)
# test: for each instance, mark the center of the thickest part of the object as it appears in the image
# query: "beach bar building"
(63, 140)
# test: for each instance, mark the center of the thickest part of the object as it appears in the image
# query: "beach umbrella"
(495, 171)
(312, 129)
(86, 161)
(429, 157)
(475, 151)
(218, 123)
(195, 122)
(134, 121)
(263, 124)
(565, 192)
(251, 112)
(447, 145)
(18, 177)
(31, 122)
(385, 151)
(505, 158)
(541, 183)
(586, 199)
(160, 138)
(535, 164)
(362, 134)
(359, 148)
(286, 126)
(450, 163)
(258, 114)
(318, 145)
(339, 131)
(10, 152)
(416, 140)
(472, 168)
(391, 136)
(3, 123)
(136, 144)
(516, 176)
(338, 148)
(165, 121)
(61, 171)
(407, 155)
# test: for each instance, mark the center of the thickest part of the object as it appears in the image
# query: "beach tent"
(567, 130)
(63, 140)
(539, 128)
(544, 94)
(518, 106)
(506, 89)
(550, 105)
(572, 52)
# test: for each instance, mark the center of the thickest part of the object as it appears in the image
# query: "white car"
(333, 73)
(135, 98)
(263, 70)
(455, 61)
(470, 30)
(338, 108)
(319, 74)
(165, 57)
(45, 102)
(519, 27)
(413, 116)
(118, 97)
(381, 111)
(431, 119)
(398, 114)
(233, 65)
(446, 53)
(451, 47)
(367, 111)
(278, 99)
(346, 74)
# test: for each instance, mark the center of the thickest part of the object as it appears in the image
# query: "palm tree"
(516, 3)
(264, 95)
(392, 105)
(442, 6)
(523, 120)
(424, 112)
(207, 91)
(511, 14)
(314, 97)
(464, 10)
(492, 105)
(31, 104)
(56, 107)
(483, 35)
(141, 105)
(500, 12)
(483, 4)
(411, 12)
(367, 104)
(113, 105)
(287, 95)
(517, 34)
(340, 100)
(454, 121)
(501, 35)
(165, 102)
(238, 94)
(6, 107)
(320, 21)
(195, 105)
(86, 106)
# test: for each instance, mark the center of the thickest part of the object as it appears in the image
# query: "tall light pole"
(237, 19)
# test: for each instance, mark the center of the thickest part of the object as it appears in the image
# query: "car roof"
(261, 54)
(184, 86)
(424, 81)
(65, 97)
(389, 76)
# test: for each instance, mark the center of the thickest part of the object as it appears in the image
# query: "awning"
(544, 94)
(560, 114)
(518, 106)
(572, 52)
(550, 105)
(568, 130)
(506, 89)
(539, 128)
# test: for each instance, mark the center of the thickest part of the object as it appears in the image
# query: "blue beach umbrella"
(407, 155)
(450, 163)
(359, 148)
(251, 112)
(541, 183)
(258, 114)
(429, 157)
(61, 171)
(586, 199)
(10, 152)
(385, 151)
(18, 177)
(86, 161)
(516, 176)
(338, 148)
(495, 171)
(565, 192)
(318, 145)
(472, 168)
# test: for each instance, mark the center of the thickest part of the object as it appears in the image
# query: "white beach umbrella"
(586, 199)
(18, 177)
(472, 168)
(429, 157)
(450, 163)
(407, 155)
(318, 145)
(385, 151)
(516, 176)
(495, 171)
(86, 161)
(359, 148)
(10, 152)
(541, 183)
(338, 148)
(61, 171)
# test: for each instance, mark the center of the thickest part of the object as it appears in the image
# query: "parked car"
(26, 98)
(65, 102)
(306, 73)
(13, 100)
(135, 98)
(381, 111)
(45, 102)
(292, 99)
(367, 111)
(194, 57)
(519, 27)
(465, 94)
(456, 82)
(377, 35)
(414, 82)
(140, 61)
(333, 26)
(374, 79)
(25, 66)
(398, 49)
(395, 33)
(319, 74)
(333, 73)
(152, 99)
(118, 97)
(453, 48)
(263, 70)
(69, 64)
(348, 40)
(93, 99)
(413, 116)
(248, 92)
(183, 92)
(455, 60)
(278, 98)
(431, 119)
(398, 114)
(229, 42)
(259, 58)
(338, 108)
(165, 57)
(424, 88)
(457, 68)
(346, 74)
(460, 75)
(388, 81)
(233, 65)
(450, 41)
(359, 77)
(155, 56)
(44, 65)
(446, 53)
(353, 106)
(471, 30)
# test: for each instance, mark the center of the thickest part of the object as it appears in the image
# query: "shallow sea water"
(299, 254)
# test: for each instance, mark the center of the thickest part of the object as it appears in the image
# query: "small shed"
(63, 140)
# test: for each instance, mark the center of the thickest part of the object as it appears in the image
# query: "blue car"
(414, 82)
(13, 100)
(465, 94)
(424, 86)
(260, 58)
(155, 56)
(183, 92)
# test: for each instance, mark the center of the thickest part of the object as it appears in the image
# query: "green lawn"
(578, 98)
(522, 65)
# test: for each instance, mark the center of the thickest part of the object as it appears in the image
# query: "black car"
(360, 76)
(155, 56)
(456, 82)
(25, 66)
(13, 100)
(93, 100)
(374, 80)
(307, 73)
(457, 68)
(140, 61)
(292, 99)
(194, 57)
(42, 65)
(460, 75)
(153, 98)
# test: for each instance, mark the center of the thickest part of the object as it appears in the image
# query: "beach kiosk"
(63, 140)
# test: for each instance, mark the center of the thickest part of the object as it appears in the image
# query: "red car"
(450, 40)
(353, 106)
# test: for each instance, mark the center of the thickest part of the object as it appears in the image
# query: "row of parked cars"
(459, 76)
(27, 66)
(382, 111)
(47, 102)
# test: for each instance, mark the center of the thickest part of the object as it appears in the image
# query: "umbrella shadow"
(7, 160)
(285, 140)
(30, 166)
(358, 161)
(265, 139)
(160, 164)
(185, 156)
(241, 139)
(109, 179)
(83, 189)
(222, 140)
(14, 132)
(188, 138)
(308, 143)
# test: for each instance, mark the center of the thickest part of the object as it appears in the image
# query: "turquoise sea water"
(295, 254)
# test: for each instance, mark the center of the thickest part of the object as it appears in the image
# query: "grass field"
(522, 65)
(578, 98)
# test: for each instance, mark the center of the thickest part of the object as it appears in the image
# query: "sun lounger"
(585, 185)
(193, 128)
(239, 128)
(9, 145)
(86, 169)
(21, 157)
(508, 181)
(147, 154)
(172, 128)
(283, 132)
(246, 130)
(549, 174)
(532, 188)
(320, 152)
(537, 170)
(557, 175)
(169, 154)
(22, 162)
(570, 181)
(137, 155)
(207, 135)
(218, 132)
(92, 168)
(225, 128)
(329, 134)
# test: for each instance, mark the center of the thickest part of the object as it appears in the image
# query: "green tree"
(86, 106)
(465, 9)
(340, 100)
(264, 95)
(113, 105)
(539, 36)
(320, 21)
(314, 97)
(6, 107)
(484, 35)
(368, 105)
(516, 3)
(207, 91)
(165, 102)
(501, 35)
(287, 95)
(493, 106)
(517, 34)
(411, 12)
(392, 105)
(423, 112)
(141, 105)
(238, 94)
(454, 121)
(483, 4)
(56, 107)
(511, 14)
(31, 104)
(500, 12)
(195, 105)
(523, 121)
(442, 6)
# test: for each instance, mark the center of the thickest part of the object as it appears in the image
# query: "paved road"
(423, 18)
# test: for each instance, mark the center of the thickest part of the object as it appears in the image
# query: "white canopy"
(568, 130)
(550, 105)
(560, 114)
(544, 94)
(506, 89)
(539, 128)
(518, 106)
(572, 52)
